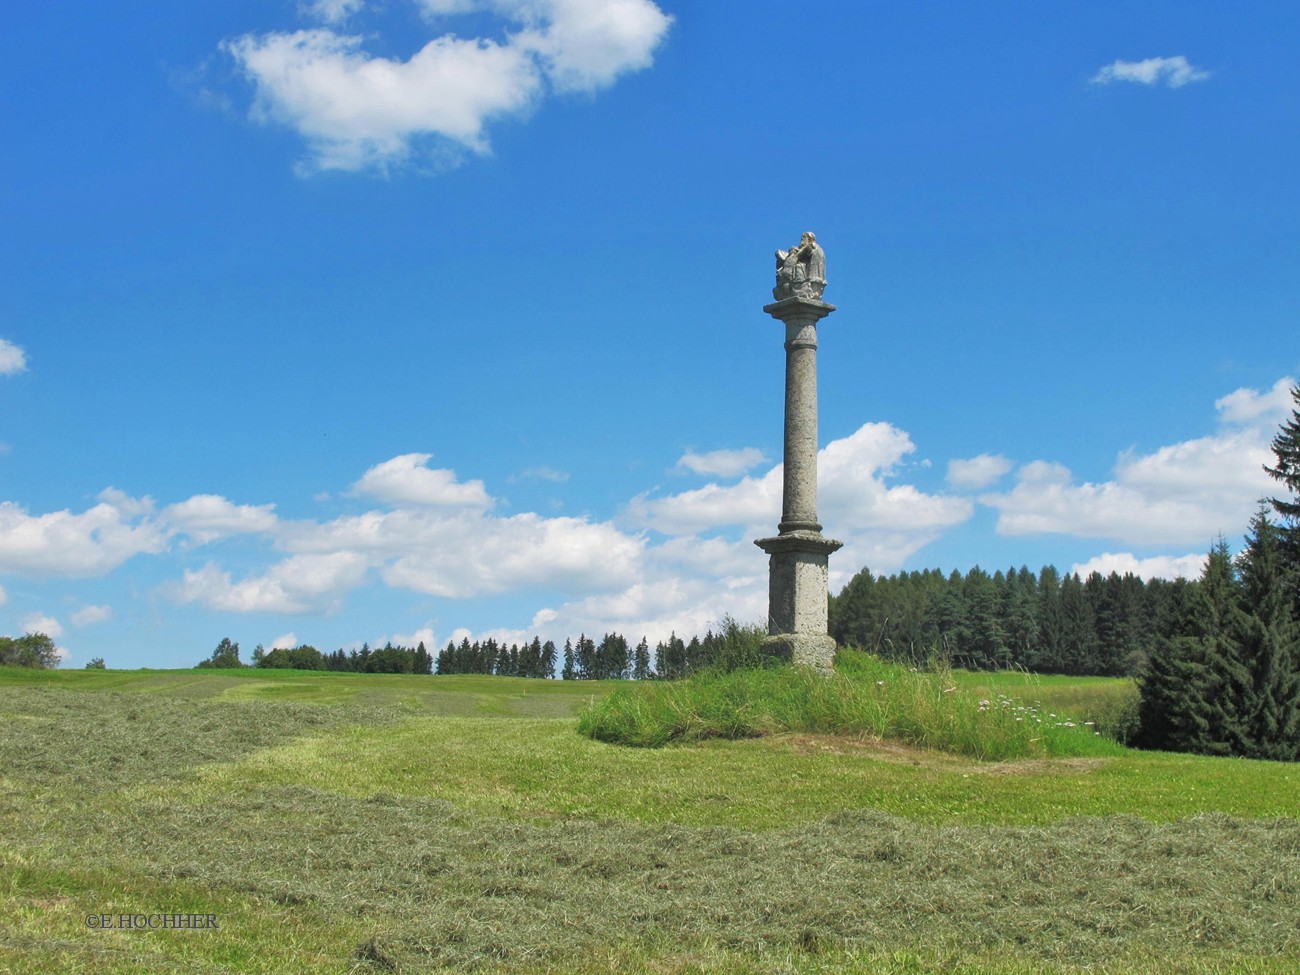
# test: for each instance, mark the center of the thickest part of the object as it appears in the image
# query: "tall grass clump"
(865, 698)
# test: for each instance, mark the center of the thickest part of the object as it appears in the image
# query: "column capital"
(810, 542)
(801, 310)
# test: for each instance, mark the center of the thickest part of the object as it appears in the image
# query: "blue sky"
(347, 321)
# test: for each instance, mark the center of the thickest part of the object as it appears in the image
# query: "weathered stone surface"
(797, 557)
(796, 588)
(802, 649)
(801, 271)
(799, 491)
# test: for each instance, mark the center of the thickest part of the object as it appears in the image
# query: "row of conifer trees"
(612, 658)
(1040, 621)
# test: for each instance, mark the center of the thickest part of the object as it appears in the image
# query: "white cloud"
(459, 559)
(1181, 494)
(854, 499)
(1171, 72)
(358, 111)
(406, 480)
(285, 641)
(1155, 567)
(978, 472)
(88, 615)
(585, 45)
(721, 463)
(1250, 407)
(40, 623)
(298, 585)
(91, 543)
(12, 358)
(208, 517)
(752, 501)
(424, 634)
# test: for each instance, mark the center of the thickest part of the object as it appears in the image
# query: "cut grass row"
(371, 823)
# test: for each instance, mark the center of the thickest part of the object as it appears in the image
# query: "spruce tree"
(570, 671)
(1268, 636)
(1228, 689)
(1078, 629)
(641, 661)
(1286, 447)
(1173, 712)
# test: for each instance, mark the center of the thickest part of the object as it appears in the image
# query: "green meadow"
(347, 823)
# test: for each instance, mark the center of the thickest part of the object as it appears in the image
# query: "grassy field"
(374, 823)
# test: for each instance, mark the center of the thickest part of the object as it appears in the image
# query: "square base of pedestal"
(803, 650)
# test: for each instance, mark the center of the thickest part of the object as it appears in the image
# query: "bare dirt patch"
(883, 750)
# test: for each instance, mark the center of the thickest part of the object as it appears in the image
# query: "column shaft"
(799, 501)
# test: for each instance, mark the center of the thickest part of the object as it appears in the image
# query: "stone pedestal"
(797, 563)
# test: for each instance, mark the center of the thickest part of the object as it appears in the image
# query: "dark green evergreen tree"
(1228, 691)
(1268, 637)
(853, 614)
(1078, 628)
(671, 658)
(641, 661)
(1286, 448)
(985, 644)
(1049, 654)
(950, 611)
(570, 671)
(1173, 713)
(1021, 616)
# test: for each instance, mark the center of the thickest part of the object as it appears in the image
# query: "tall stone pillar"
(798, 556)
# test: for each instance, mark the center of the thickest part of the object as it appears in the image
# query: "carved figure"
(801, 271)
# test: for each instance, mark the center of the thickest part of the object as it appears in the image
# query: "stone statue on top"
(801, 271)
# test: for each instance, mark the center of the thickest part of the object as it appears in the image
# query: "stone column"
(798, 556)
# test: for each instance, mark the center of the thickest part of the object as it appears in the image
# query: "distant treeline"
(388, 659)
(1043, 621)
(613, 658)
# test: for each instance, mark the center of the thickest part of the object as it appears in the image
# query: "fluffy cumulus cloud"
(525, 551)
(703, 569)
(78, 544)
(1153, 567)
(721, 463)
(667, 562)
(1250, 407)
(853, 494)
(40, 623)
(98, 540)
(1181, 494)
(294, 586)
(408, 479)
(12, 358)
(436, 535)
(978, 472)
(285, 641)
(208, 517)
(1170, 72)
(425, 634)
(358, 110)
